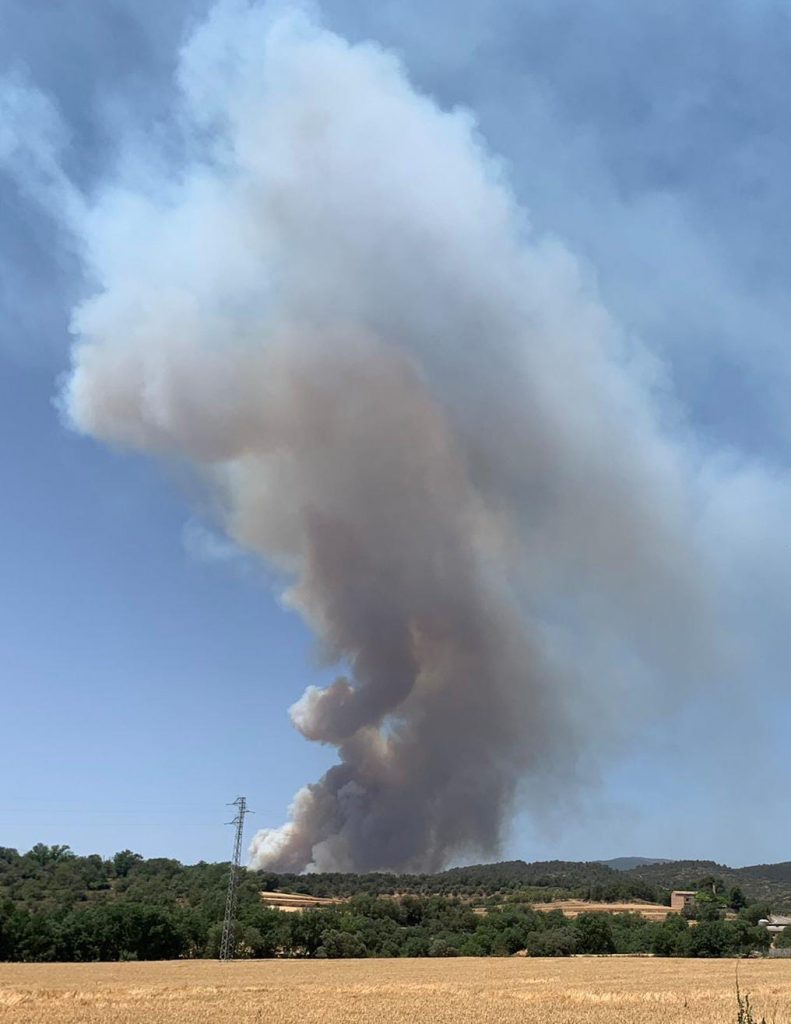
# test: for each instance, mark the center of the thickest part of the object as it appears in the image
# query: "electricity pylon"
(228, 944)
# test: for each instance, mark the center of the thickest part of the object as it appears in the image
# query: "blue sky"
(147, 671)
(141, 685)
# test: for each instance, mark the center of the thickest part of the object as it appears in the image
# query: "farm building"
(775, 923)
(681, 899)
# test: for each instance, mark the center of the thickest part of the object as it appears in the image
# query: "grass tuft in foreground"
(745, 1014)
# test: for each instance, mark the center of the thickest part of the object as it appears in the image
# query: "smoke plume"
(324, 294)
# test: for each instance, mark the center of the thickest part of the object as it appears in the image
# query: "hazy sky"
(147, 666)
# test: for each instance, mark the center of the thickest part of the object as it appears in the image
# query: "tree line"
(55, 906)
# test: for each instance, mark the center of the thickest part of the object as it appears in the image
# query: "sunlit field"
(582, 990)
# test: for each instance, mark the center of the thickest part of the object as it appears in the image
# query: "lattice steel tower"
(228, 944)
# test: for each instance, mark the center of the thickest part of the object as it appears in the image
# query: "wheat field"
(581, 990)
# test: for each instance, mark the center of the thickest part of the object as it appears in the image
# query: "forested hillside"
(770, 883)
(626, 863)
(591, 880)
(767, 872)
(566, 879)
(58, 906)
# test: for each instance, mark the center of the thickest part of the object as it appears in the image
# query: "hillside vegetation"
(625, 863)
(58, 906)
(592, 880)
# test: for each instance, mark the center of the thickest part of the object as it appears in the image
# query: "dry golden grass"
(573, 908)
(583, 990)
(291, 902)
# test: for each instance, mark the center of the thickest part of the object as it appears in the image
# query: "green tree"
(711, 884)
(594, 934)
(441, 947)
(306, 930)
(736, 899)
(783, 940)
(9, 930)
(710, 939)
(124, 861)
(552, 942)
(415, 945)
(476, 945)
(756, 912)
(631, 933)
(45, 855)
(338, 944)
(670, 938)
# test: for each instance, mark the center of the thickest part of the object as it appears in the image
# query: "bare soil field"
(581, 990)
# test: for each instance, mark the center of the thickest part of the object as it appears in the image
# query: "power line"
(228, 943)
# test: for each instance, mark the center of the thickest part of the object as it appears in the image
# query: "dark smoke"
(412, 405)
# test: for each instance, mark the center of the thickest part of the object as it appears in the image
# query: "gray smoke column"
(412, 405)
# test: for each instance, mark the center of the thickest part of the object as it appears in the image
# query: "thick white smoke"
(415, 407)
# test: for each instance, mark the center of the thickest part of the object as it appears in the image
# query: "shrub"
(337, 944)
(594, 934)
(552, 942)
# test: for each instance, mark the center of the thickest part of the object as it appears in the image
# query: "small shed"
(681, 899)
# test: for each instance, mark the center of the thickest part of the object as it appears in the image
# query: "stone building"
(680, 900)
